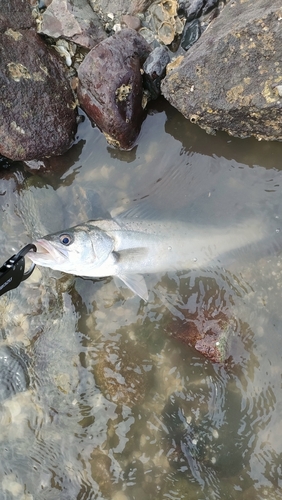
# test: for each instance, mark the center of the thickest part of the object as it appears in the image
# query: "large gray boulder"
(231, 78)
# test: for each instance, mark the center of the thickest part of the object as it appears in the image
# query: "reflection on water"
(116, 404)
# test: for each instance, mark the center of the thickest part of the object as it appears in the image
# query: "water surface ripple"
(106, 402)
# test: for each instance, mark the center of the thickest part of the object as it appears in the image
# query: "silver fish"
(130, 248)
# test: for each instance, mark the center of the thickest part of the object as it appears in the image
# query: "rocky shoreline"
(218, 63)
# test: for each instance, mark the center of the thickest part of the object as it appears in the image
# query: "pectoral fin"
(136, 283)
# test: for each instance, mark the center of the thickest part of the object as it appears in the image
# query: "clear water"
(118, 408)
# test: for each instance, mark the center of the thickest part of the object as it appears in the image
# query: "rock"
(279, 90)
(209, 332)
(162, 19)
(120, 7)
(132, 22)
(75, 21)
(36, 102)
(14, 375)
(228, 80)
(191, 33)
(194, 437)
(193, 9)
(101, 471)
(110, 86)
(198, 7)
(150, 37)
(42, 4)
(123, 372)
(154, 70)
(15, 14)
(210, 5)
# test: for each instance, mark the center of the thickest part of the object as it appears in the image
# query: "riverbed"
(117, 407)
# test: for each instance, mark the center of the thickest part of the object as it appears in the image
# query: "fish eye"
(65, 239)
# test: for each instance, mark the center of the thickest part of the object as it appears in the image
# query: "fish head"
(78, 250)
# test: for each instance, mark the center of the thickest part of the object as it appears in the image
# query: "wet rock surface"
(230, 79)
(110, 86)
(36, 101)
(75, 21)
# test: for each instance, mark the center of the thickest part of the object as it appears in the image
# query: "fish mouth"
(47, 252)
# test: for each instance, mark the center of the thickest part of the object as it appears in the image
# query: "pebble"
(191, 33)
(132, 22)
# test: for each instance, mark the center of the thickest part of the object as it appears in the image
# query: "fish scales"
(129, 248)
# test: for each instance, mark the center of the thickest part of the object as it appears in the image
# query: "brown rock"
(110, 86)
(101, 471)
(36, 102)
(15, 14)
(209, 333)
(132, 22)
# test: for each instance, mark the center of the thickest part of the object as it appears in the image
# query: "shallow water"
(116, 407)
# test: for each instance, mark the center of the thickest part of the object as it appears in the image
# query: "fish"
(129, 248)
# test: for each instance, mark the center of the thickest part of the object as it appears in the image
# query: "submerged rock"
(229, 80)
(75, 21)
(123, 372)
(101, 471)
(14, 375)
(196, 439)
(210, 333)
(36, 103)
(110, 86)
